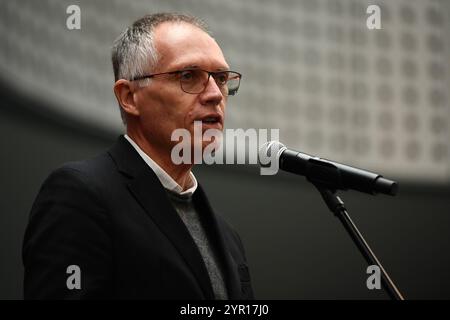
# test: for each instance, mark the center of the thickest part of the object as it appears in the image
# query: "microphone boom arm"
(336, 205)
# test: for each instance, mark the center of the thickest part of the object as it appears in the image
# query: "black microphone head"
(270, 151)
(383, 185)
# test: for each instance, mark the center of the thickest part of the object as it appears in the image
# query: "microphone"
(325, 173)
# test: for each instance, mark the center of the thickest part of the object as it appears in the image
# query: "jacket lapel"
(215, 235)
(149, 192)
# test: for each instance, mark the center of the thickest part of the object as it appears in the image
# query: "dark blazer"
(111, 216)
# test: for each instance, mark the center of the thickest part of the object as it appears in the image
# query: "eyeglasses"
(194, 81)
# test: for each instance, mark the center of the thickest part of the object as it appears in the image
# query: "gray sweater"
(188, 213)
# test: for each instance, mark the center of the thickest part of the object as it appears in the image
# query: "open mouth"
(211, 120)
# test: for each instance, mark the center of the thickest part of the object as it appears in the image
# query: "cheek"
(175, 114)
(224, 107)
(158, 106)
(189, 114)
(153, 116)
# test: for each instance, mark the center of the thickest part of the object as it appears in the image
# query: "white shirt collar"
(166, 180)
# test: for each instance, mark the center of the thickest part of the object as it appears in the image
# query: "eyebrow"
(193, 66)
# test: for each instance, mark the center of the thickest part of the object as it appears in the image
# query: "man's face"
(163, 105)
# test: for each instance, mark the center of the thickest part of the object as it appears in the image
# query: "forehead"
(181, 45)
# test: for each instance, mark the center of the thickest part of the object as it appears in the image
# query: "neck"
(180, 173)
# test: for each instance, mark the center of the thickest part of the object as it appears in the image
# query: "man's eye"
(222, 77)
(187, 75)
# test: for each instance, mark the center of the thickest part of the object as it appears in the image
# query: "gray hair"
(134, 53)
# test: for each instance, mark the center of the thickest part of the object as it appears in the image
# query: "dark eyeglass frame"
(213, 73)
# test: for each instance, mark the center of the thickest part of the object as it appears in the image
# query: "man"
(130, 223)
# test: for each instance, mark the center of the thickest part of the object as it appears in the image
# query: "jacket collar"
(143, 182)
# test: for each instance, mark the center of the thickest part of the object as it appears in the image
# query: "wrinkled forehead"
(181, 45)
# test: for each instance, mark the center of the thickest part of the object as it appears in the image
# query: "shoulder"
(95, 167)
(91, 172)
(78, 181)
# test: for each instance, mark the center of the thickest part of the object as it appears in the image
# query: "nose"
(212, 94)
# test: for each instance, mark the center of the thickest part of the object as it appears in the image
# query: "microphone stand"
(336, 205)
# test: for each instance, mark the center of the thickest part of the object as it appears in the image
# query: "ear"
(123, 89)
